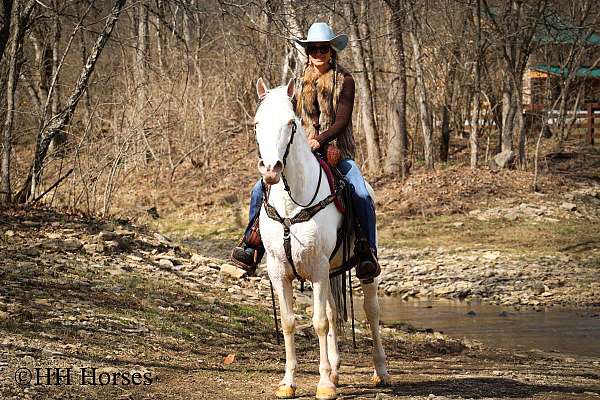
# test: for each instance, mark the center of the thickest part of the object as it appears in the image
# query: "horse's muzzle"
(271, 174)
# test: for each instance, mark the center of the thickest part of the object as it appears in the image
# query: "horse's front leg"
(283, 288)
(332, 347)
(325, 388)
(371, 306)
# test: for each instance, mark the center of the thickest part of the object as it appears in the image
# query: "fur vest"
(317, 105)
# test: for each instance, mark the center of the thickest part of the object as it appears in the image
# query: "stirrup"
(245, 258)
(368, 267)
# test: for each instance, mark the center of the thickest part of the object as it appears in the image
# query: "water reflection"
(571, 332)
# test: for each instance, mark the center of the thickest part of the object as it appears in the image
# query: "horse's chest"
(305, 239)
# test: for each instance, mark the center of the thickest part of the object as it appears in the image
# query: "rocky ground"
(80, 293)
(495, 277)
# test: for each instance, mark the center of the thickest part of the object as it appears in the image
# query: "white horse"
(284, 149)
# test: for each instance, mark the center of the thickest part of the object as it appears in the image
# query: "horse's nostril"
(278, 166)
(261, 163)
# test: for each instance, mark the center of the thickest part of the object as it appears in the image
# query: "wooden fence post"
(590, 127)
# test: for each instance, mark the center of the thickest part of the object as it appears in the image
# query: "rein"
(286, 187)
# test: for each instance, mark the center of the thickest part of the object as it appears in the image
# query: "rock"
(199, 259)
(232, 271)
(109, 227)
(502, 160)
(457, 224)
(124, 242)
(31, 252)
(3, 316)
(93, 248)
(163, 239)
(537, 288)
(32, 224)
(111, 246)
(70, 244)
(472, 313)
(568, 206)
(165, 262)
(511, 215)
(106, 236)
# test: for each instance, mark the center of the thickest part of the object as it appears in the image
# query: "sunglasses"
(320, 49)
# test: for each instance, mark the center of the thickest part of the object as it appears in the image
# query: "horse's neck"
(301, 172)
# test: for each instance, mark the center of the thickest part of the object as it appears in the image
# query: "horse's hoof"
(326, 393)
(285, 392)
(381, 381)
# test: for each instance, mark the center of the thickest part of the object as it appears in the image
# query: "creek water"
(565, 331)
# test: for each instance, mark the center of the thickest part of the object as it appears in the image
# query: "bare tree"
(20, 14)
(5, 19)
(396, 160)
(423, 100)
(514, 26)
(60, 121)
(364, 90)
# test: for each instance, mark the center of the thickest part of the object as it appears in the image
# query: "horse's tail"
(338, 291)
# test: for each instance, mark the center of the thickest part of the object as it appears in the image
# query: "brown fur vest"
(325, 91)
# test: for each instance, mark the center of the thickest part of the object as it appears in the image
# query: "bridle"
(286, 186)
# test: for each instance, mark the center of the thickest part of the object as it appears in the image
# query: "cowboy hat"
(321, 32)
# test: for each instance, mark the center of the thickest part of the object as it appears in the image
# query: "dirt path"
(160, 323)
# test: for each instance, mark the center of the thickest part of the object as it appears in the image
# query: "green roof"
(582, 72)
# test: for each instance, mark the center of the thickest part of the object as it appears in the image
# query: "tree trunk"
(161, 39)
(365, 35)
(364, 90)
(5, 20)
(397, 136)
(291, 19)
(60, 121)
(508, 115)
(141, 73)
(520, 121)
(422, 101)
(58, 143)
(474, 134)
(447, 107)
(19, 16)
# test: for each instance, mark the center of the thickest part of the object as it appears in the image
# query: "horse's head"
(275, 123)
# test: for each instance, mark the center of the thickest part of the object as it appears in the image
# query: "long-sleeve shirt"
(343, 115)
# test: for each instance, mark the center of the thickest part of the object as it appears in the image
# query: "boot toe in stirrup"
(244, 259)
(368, 269)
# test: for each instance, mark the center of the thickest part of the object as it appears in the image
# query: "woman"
(324, 105)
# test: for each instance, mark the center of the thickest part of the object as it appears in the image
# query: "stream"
(574, 332)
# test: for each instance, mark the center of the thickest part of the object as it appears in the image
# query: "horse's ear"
(261, 88)
(291, 87)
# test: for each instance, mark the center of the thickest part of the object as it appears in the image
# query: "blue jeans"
(361, 201)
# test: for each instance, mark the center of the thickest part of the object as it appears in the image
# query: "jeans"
(362, 202)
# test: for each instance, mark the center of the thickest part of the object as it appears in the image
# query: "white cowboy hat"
(321, 32)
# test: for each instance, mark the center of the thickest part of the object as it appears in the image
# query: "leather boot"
(368, 267)
(244, 257)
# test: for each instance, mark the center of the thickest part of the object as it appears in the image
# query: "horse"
(292, 173)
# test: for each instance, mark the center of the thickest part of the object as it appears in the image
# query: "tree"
(396, 160)
(514, 26)
(423, 100)
(364, 91)
(20, 15)
(59, 122)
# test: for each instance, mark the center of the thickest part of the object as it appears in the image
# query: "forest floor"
(159, 321)
(166, 311)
